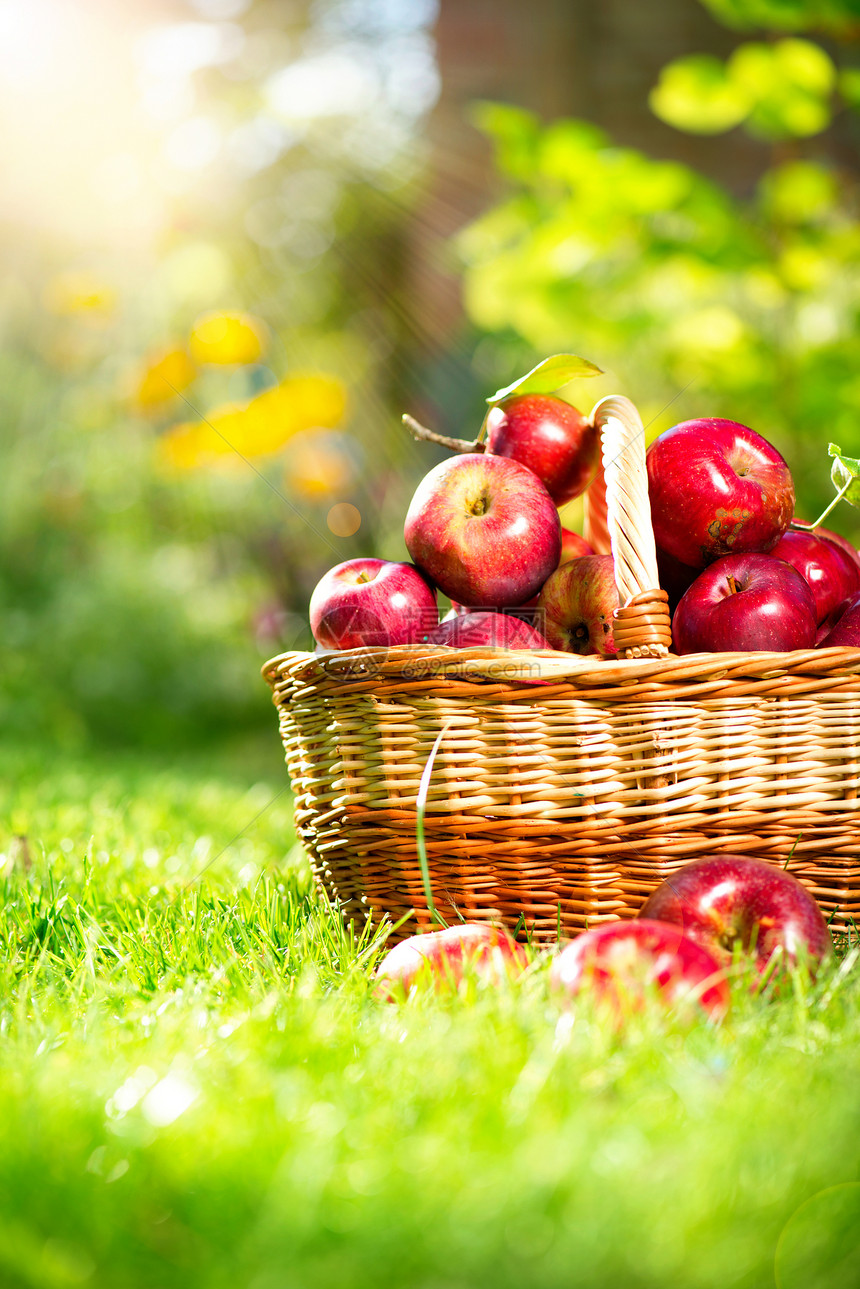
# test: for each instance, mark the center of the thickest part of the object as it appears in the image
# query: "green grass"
(199, 1089)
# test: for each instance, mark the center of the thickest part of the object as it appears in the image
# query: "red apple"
(717, 488)
(550, 437)
(573, 547)
(623, 963)
(441, 960)
(831, 573)
(722, 900)
(840, 541)
(485, 529)
(578, 602)
(675, 577)
(827, 624)
(745, 602)
(845, 634)
(501, 630)
(371, 602)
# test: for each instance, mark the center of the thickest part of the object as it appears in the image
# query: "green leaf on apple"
(845, 475)
(548, 376)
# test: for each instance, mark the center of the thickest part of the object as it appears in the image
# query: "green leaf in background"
(548, 376)
(845, 475)
(696, 94)
(789, 83)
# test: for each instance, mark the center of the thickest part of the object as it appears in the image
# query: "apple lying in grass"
(717, 488)
(371, 602)
(577, 603)
(441, 960)
(485, 529)
(723, 900)
(549, 436)
(831, 573)
(745, 602)
(499, 630)
(623, 964)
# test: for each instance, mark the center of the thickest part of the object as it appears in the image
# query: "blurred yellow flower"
(228, 338)
(192, 444)
(164, 375)
(300, 403)
(319, 465)
(79, 293)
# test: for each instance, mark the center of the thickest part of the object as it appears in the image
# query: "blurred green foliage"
(839, 16)
(697, 300)
(781, 90)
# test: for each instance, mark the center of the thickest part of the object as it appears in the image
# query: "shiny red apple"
(845, 633)
(745, 602)
(500, 630)
(573, 547)
(723, 900)
(550, 437)
(831, 573)
(485, 529)
(847, 546)
(441, 960)
(372, 602)
(717, 488)
(577, 603)
(623, 964)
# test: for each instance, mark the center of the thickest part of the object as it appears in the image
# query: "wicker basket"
(565, 788)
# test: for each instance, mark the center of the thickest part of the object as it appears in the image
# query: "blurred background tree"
(239, 237)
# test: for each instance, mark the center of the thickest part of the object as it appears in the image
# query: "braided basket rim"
(531, 667)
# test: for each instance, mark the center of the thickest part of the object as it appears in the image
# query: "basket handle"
(623, 521)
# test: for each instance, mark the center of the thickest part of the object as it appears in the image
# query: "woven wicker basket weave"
(566, 788)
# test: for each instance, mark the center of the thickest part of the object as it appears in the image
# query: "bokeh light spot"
(344, 519)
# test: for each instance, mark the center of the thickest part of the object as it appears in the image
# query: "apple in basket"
(745, 602)
(441, 960)
(573, 546)
(624, 964)
(717, 488)
(500, 630)
(845, 633)
(577, 603)
(549, 436)
(485, 529)
(371, 602)
(723, 900)
(840, 541)
(832, 574)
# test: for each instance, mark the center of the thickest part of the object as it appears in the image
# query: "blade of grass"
(420, 809)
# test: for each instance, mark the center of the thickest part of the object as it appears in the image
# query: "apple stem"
(733, 586)
(420, 431)
(840, 494)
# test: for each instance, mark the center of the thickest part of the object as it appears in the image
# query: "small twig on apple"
(419, 431)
